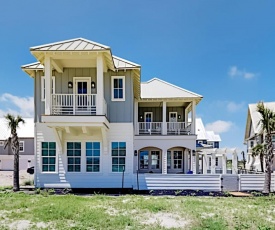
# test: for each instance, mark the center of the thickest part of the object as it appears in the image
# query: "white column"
(136, 118)
(164, 124)
(197, 159)
(193, 127)
(100, 85)
(213, 162)
(164, 161)
(48, 85)
(186, 162)
(224, 159)
(194, 162)
(204, 163)
(234, 162)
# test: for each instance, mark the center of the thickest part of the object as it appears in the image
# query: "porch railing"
(73, 104)
(150, 128)
(178, 128)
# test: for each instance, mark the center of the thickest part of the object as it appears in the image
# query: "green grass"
(135, 212)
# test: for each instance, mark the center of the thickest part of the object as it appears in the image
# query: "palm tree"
(259, 150)
(267, 123)
(13, 124)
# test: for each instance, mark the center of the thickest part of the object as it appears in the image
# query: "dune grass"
(134, 212)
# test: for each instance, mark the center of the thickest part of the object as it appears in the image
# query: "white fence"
(248, 182)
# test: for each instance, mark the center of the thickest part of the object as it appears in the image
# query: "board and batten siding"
(121, 132)
(120, 111)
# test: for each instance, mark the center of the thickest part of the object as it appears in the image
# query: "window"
(251, 144)
(169, 160)
(216, 144)
(48, 156)
(118, 156)
(118, 88)
(43, 90)
(92, 156)
(209, 161)
(155, 155)
(21, 146)
(217, 161)
(74, 156)
(177, 159)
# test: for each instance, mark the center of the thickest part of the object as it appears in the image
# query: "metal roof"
(202, 134)
(158, 89)
(77, 44)
(124, 64)
(24, 130)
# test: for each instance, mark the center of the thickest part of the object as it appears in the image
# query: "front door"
(82, 89)
(175, 161)
(173, 117)
(150, 161)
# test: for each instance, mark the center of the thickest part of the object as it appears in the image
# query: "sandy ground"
(6, 177)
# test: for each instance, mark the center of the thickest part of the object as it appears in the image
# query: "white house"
(253, 135)
(26, 145)
(97, 125)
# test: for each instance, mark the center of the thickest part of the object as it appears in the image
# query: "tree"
(13, 124)
(267, 123)
(259, 150)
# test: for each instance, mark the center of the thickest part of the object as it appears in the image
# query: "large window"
(118, 88)
(92, 156)
(21, 146)
(74, 156)
(48, 156)
(118, 156)
(43, 89)
(174, 160)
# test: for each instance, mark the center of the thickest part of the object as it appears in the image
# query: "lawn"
(23, 211)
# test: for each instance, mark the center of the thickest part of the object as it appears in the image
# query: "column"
(197, 159)
(234, 162)
(136, 118)
(213, 162)
(193, 126)
(164, 124)
(204, 163)
(48, 85)
(224, 159)
(100, 85)
(186, 162)
(164, 161)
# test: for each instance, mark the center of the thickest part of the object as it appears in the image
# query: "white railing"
(178, 128)
(73, 104)
(150, 128)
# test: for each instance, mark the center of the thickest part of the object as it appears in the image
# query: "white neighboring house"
(208, 140)
(26, 145)
(96, 124)
(253, 135)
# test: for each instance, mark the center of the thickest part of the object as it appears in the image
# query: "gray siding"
(28, 148)
(120, 111)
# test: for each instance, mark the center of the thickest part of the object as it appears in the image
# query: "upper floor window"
(43, 89)
(118, 88)
(216, 144)
(21, 146)
(217, 161)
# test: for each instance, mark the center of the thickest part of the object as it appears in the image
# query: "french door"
(150, 161)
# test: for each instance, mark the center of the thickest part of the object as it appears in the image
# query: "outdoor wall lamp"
(140, 117)
(135, 153)
(93, 85)
(70, 85)
(179, 116)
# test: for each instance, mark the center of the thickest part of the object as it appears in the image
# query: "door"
(173, 121)
(148, 118)
(175, 161)
(173, 117)
(82, 90)
(150, 161)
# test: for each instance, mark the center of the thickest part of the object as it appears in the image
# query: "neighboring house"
(26, 145)
(96, 124)
(253, 135)
(208, 140)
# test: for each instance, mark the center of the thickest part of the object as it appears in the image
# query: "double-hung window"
(21, 146)
(43, 88)
(118, 156)
(118, 88)
(74, 156)
(92, 156)
(48, 156)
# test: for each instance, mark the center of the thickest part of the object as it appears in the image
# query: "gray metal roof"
(33, 66)
(124, 64)
(77, 44)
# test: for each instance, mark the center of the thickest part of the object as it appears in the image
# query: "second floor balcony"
(75, 104)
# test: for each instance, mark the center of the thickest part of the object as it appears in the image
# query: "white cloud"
(219, 126)
(23, 106)
(235, 72)
(234, 107)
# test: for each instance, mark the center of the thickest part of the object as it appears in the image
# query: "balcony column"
(193, 125)
(234, 162)
(136, 118)
(48, 85)
(164, 161)
(213, 162)
(100, 85)
(204, 163)
(164, 123)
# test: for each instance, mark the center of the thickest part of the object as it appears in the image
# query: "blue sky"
(223, 50)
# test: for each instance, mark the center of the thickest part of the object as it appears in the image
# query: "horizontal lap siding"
(172, 181)
(255, 182)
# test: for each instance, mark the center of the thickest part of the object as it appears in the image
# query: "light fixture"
(135, 153)
(93, 85)
(140, 117)
(179, 116)
(70, 85)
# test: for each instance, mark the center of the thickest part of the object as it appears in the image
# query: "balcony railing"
(74, 104)
(157, 128)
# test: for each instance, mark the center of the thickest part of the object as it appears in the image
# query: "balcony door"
(82, 87)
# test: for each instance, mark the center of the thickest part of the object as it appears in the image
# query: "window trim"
(100, 153)
(43, 92)
(125, 166)
(23, 145)
(81, 158)
(56, 161)
(112, 87)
